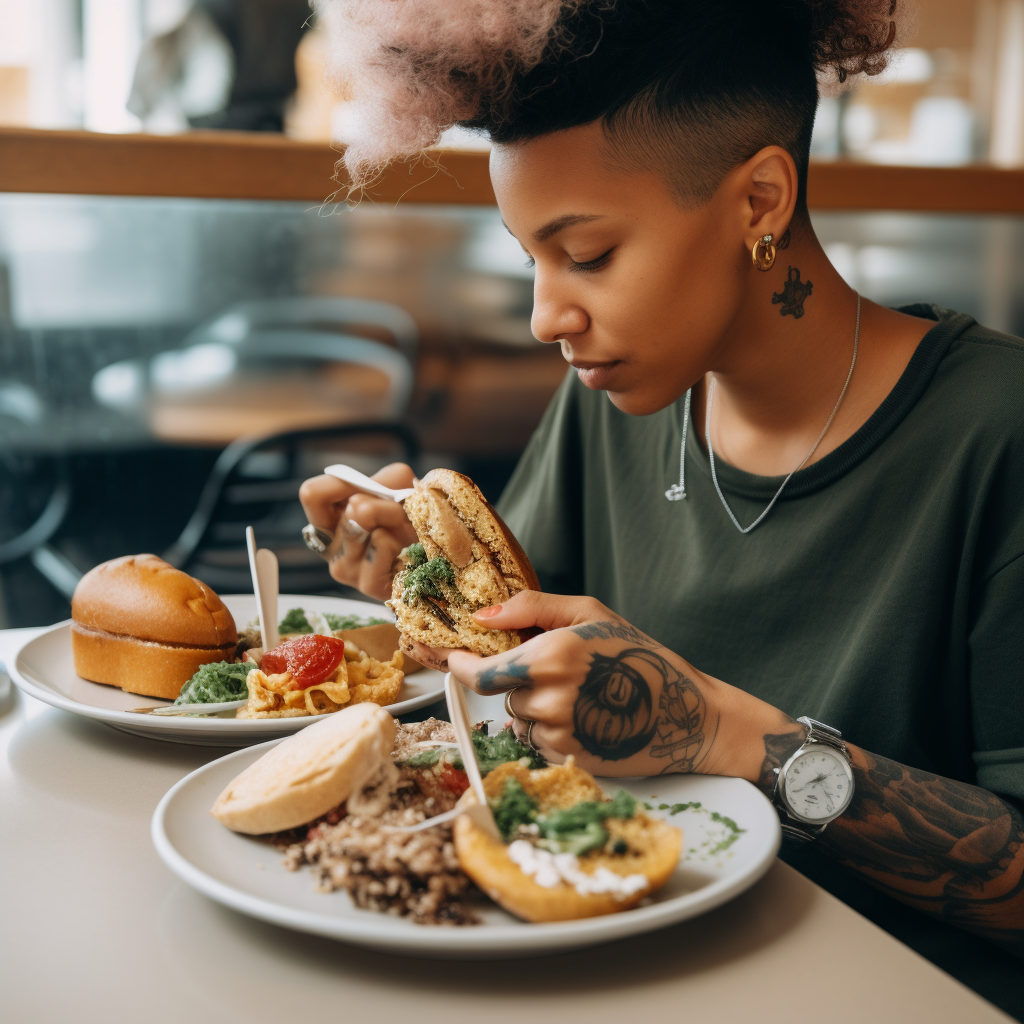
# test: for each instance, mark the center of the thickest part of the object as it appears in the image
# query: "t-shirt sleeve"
(542, 502)
(997, 682)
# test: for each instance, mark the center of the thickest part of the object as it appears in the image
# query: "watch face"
(818, 785)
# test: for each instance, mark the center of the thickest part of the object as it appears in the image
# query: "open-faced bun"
(309, 773)
(453, 519)
(654, 848)
(140, 624)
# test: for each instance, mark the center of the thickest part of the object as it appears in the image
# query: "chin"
(640, 403)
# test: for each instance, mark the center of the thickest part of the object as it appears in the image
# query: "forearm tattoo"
(945, 847)
(614, 716)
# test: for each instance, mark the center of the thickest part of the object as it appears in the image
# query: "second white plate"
(730, 836)
(44, 668)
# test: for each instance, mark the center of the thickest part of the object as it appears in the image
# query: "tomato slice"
(310, 659)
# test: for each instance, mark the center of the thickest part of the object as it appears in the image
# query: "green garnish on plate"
(216, 682)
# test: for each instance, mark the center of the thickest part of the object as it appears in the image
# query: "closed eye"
(590, 265)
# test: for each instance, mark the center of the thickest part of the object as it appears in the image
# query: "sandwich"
(466, 559)
(566, 850)
(140, 624)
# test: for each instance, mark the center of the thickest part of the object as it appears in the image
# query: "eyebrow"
(560, 223)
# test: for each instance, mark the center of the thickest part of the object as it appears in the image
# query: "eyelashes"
(590, 265)
(581, 268)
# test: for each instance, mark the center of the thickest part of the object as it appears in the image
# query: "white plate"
(247, 875)
(44, 668)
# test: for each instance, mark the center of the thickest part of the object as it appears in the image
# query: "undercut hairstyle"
(692, 88)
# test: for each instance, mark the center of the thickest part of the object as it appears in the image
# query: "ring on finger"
(528, 737)
(509, 710)
(317, 539)
(354, 531)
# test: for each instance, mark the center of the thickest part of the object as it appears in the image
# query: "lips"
(596, 376)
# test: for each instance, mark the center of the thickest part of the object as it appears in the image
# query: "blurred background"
(170, 368)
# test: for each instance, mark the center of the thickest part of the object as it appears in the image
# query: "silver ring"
(317, 539)
(528, 738)
(354, 531)
(508, 703)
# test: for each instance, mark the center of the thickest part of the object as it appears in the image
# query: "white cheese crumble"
(550, 869)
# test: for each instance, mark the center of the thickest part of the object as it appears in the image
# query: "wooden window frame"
(240, 165)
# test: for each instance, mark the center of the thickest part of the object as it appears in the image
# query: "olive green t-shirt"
(883, 594)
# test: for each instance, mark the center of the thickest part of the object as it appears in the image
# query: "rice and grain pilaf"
(406, 874)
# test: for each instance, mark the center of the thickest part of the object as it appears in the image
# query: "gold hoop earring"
(763, 253)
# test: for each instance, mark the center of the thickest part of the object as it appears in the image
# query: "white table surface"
(93, 928)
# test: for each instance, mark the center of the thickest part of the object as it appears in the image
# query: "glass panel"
(138, 337)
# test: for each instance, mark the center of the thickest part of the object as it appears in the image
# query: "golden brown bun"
(139, 666)
(146, 627)
(142, 596)
(492, 571)
(309, 773)
(654, 849)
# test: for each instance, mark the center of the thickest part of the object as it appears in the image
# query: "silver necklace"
(677, 492)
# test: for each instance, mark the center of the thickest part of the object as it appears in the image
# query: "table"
(96, 929)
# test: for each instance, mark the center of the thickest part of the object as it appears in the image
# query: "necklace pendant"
(675, 493)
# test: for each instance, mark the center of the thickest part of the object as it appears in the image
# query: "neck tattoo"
(677, 492)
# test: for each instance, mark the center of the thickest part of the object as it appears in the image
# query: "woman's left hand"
(596, 687)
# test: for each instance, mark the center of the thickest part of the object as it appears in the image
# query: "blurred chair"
(269, 366)
(256, 483)
(35, 489)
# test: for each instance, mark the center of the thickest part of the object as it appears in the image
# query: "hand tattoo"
(512, 673)
(793, 294)
(612, 631)
(614, 716)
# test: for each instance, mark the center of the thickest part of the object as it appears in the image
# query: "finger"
(496, 674)
(396, 475)
(323, 498)
(373, 513)
(546, 611)
(553, 743)
(552, 705)
(432, 657)
(375, 568)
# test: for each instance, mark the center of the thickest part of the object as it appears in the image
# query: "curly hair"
(696, 85)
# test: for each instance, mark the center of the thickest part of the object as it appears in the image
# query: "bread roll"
(454, 520)
(140, 624)
(309, 773)
(654, 849)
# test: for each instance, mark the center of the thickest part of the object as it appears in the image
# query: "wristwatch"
(815, 785)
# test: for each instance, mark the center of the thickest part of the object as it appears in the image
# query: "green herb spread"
(414, 556)
(296, 622)
(710, 846)
(219, 681)
(433, 579)
(490, 752)
(577, 829)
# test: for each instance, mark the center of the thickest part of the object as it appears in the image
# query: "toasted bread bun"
(309, 773)
(654, 849)
(140, 624)
(452, 518)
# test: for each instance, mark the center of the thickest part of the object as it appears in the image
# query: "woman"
(789, 502)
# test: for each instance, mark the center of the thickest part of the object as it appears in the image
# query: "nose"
(555, 314)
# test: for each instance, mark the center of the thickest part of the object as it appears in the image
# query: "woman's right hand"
(364, 560)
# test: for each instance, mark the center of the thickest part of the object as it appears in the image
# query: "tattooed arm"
(944, 847)
(596, 687)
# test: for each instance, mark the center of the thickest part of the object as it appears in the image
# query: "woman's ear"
(766, 191)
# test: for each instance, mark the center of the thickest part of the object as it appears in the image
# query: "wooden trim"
(240, 165)
(219, 165)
